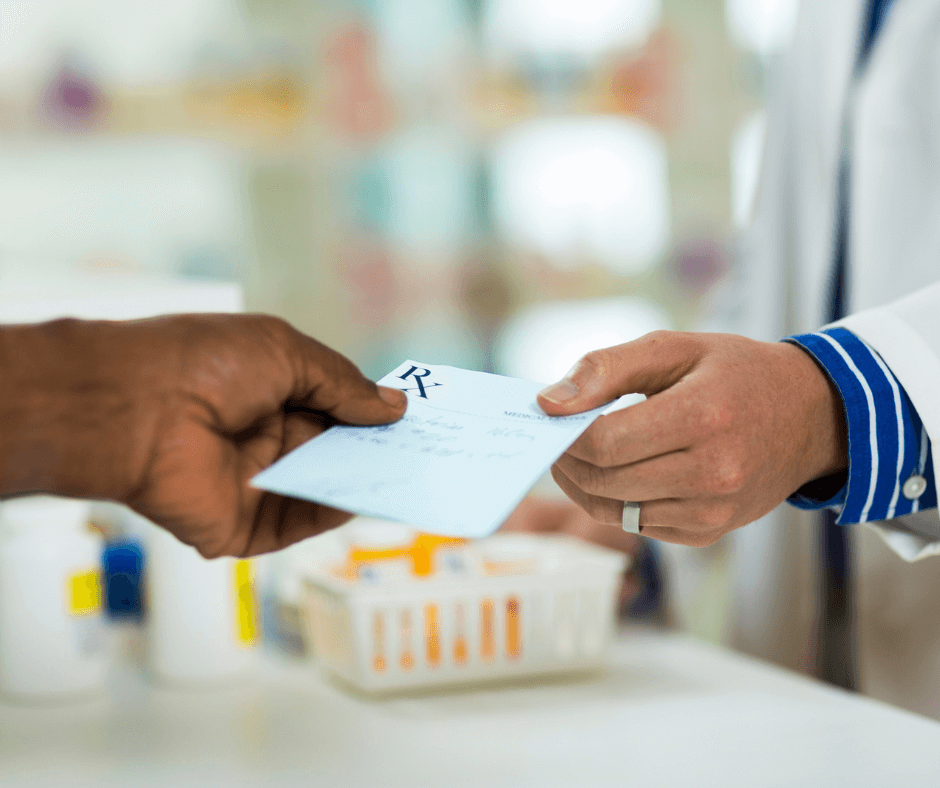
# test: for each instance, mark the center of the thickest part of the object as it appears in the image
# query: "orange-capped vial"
(406, 660)
(461, 651)
(513, 629)
(487, 630)
(378, 643)
(432, 639)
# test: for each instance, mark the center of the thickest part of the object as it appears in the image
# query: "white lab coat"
(782, 287)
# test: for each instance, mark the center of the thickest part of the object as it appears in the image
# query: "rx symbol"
(418, 374)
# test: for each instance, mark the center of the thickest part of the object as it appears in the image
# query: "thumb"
(645, 366)
(329, 383)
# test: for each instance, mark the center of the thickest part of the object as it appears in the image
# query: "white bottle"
(365, 535)
(202, 616)
(51, 630)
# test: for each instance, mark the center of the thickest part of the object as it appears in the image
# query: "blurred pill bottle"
(122, 563)
(203, 620)
(52, 641)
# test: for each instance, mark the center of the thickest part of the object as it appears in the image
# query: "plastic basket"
(509, 606)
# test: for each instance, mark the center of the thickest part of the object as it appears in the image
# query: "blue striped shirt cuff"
(887, 440)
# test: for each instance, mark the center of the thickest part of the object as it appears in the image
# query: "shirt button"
(914, 487)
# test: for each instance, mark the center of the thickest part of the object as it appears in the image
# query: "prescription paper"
(468, 449)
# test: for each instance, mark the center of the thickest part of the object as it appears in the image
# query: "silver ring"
(631, 517)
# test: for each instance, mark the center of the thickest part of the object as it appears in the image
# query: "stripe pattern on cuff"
(887, 440)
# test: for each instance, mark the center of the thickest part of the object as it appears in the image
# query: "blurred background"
(495, 184)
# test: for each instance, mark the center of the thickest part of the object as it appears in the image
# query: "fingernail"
(559, 392)
(393, 397)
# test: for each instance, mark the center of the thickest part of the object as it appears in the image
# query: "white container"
(526, 605)
(51, 630)
(203, 620)
(199, 632)
(380, 536)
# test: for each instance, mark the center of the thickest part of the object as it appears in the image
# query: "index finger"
(327, 382)
(662, 423)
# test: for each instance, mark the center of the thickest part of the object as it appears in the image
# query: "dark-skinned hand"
(174, 416)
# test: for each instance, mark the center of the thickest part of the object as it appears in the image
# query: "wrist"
(825, 444)
(69, 423)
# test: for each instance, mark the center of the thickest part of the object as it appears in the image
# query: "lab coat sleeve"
(890, 465)
(906, 334)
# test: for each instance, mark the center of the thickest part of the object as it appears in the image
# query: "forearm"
(68, 424)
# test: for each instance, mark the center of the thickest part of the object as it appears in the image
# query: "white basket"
(556, 614)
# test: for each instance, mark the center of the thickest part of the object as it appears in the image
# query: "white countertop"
(669, 711)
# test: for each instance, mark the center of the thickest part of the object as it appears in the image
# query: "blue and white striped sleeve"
(890, 470)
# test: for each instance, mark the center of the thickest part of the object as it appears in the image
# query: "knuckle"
(707, 538)
(597, 363)
(599, 512)
(586, 476)
(605, 448)
(276, 328)
(717, 518)
(593, 442)
(683, 342)
(574, 470)
(209, 552)
(719, 416)
(728, 475)
(274, 322)
(660, 335)
(273, 336)
(591, 478)
(698, 539)
(593, 510)
(222, 544)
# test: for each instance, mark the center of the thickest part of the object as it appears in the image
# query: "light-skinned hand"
(730, 428)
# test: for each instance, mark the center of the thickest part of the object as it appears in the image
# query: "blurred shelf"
(269, 111)
(277, 110)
